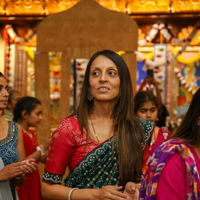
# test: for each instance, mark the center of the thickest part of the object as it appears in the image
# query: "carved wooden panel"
(150, 6)
(186, 5)
(54, 6)
(24, 7)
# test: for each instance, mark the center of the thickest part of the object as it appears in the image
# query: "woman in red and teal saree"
(102, 141)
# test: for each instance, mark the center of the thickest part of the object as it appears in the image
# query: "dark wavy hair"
(189, 131)
(125, 126)
(144, 97)
(25, 103)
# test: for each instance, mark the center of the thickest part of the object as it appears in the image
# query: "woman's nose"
(148, 114)
(103, 77)
(5, 93)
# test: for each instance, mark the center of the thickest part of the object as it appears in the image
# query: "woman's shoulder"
(175, 163)
(67, 126)
(69, 121)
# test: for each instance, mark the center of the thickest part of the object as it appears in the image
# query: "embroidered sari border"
(52, 178)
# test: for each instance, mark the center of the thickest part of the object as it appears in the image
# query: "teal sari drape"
(100, 167)
(97, 169)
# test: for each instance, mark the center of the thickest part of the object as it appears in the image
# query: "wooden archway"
(78, 33)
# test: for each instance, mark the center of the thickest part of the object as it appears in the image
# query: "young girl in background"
(28, 113)
(146, 107)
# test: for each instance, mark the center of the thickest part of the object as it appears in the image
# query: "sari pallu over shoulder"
(156, 164)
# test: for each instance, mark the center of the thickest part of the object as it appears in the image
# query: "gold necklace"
(94, 130)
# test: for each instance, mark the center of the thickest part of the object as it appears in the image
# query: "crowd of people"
(112, 144)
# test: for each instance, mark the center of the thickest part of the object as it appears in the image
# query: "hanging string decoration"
(184, 82)
(171, 39)
(153, 32)
(16, 38)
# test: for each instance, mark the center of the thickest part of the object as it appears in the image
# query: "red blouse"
(67, 147)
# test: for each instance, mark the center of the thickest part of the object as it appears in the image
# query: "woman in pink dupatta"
(172, 172)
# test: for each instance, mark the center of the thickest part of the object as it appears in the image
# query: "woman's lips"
(103, 89)
(5, 102)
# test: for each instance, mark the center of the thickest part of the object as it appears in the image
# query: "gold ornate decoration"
(41, 7)
(117, 5)
(150, 6)
(185, 32)
(141, 35)
(54, 6)
(2, 3)
(186, 5)
(24, 7)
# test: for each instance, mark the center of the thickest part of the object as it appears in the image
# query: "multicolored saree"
(156, 164)
(99, 167)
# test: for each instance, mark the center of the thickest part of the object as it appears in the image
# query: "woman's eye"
(153, 110)
(95, 73)
(142, 111)
(112, 73)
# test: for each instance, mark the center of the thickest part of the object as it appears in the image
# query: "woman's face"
(148, 111)
(104, 79)
(3, 93)
(35, 117)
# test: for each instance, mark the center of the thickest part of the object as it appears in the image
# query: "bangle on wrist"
(38, 148)
(41, 146)
(18, 177)
(70, 193)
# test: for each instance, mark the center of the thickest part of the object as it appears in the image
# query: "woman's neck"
(101, 110)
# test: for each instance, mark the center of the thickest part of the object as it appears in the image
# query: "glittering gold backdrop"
(41, 7)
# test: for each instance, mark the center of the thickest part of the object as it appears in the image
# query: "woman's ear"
(24, 114)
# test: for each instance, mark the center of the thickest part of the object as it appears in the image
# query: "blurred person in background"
(13, 98)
